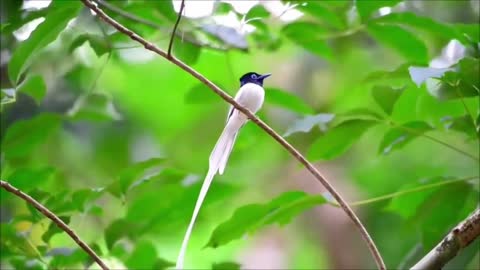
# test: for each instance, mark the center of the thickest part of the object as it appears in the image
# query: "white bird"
(251, 96)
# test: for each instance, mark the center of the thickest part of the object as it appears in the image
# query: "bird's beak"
(264, 76)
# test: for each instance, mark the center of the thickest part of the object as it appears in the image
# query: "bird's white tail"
(218, 159)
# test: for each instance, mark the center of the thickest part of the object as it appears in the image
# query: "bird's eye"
(253, 76)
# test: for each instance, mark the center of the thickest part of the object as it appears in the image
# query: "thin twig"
(458, 238)
(56, 220)
(294, 152)
(179, 17)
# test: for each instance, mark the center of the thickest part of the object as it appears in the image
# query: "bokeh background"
(115, 139)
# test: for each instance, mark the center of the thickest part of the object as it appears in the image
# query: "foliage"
(115, 140)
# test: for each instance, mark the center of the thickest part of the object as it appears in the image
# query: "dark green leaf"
(45, 33)
(143, 256)
(338, 139)
(97, 42)
(366, 7)
(94, 107)
(201, 94)
(133, 173)
(252, 217)
(23, 136)
(386, 97)
(401, 40)
(306, 123)
(463, 82)
(54, 229)
(66, 258)
(166, 9)
(27, 179)
(463, 124)
(286, 100)
(226, 266)
(161, 264)
(117, 230)
(33, 86)
(185, 51)
(398, 137)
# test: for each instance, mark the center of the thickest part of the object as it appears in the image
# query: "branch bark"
(179, 17)
(55, 219)
(458, 238)
(294, 152)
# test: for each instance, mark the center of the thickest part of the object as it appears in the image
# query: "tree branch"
(55, 219)
(179, 17)
(294, 152)
(460, 237)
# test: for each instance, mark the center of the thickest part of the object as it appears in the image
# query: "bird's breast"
(251, 96)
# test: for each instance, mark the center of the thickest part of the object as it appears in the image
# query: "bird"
(250, 95)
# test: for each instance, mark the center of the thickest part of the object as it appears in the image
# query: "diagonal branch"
(55, 219)
(460, 237)
(294, 152)
(170, 45)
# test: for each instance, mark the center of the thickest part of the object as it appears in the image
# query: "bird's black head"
(252, 77)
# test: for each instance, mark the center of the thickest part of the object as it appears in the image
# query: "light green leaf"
(322, 12)
(27, 179)
(54, 229)
(143, 256)
(33, 86)
(401, 40)
(45, 33)
(366, 7)
(186, 51)
(286, 100)
(308, 122)
(310, 36)
(339, 139)
(201, 94)
(24, 135)
(257, 12)
(386, 97)
(398, 137)
(133, 173)
(253, 217)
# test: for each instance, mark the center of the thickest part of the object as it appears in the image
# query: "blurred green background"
(381, 95)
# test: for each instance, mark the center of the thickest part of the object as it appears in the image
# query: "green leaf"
(309, 36)
(24, 135)
(117, 230)
(133, 173)
(201, 94)
(462, 124)
(8, 96)
(97, 42)
(54, 229)
(401, 40)
(226, 266)
(94, 107)
(33, 86)
(27, 179)
(308, 122)
(143, 256)
(463, 82)
(386, 97)
(366, 7)
(253, 217)
(256, 12)
(286, 100)
(339, 139)
(398, 137)
(55, 21)
(185, 51)
(322, 12)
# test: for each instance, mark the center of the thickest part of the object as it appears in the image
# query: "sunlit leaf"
(186, 51)
(24, 135)
(308, 122)
(401, 40)
(366, 7)
(398, 137)
(201, 94)
(257, 12)
(54, 229)
(386, 97)
(338, 139)
(286, 100)
(33, 86)
(252, 217)
(322, 12)
(143, 256)
(45, 33)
